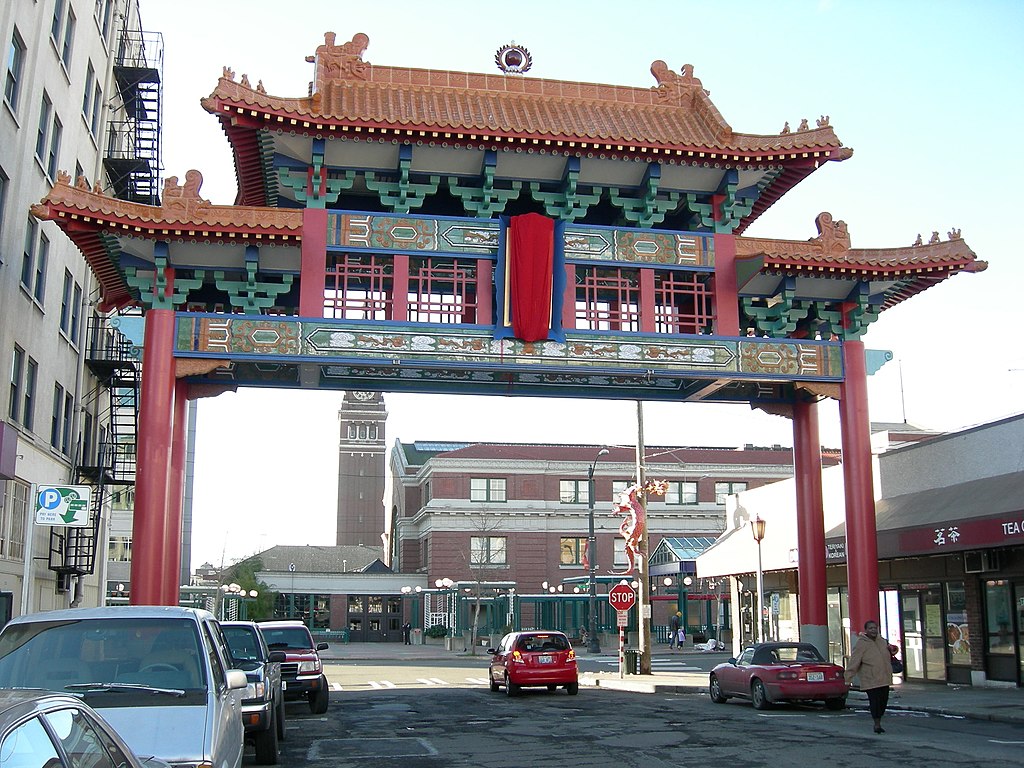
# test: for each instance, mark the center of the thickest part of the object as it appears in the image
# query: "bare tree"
(485, 559)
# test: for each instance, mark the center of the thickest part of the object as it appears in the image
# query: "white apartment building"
(80, 97)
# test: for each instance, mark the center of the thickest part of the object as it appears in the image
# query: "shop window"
(958, 638)
(998, 618)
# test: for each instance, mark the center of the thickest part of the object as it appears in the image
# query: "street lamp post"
(686, 582)
(757, 529)
(594, 644)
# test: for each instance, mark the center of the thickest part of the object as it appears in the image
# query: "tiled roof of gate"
(671, 121)
(914, 267)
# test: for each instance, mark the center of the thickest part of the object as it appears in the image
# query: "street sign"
(622, 597)
(621, 619)
(63, 505)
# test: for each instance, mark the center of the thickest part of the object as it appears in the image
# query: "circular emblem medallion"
(513, 59)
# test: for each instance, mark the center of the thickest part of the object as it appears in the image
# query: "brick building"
(518, 513)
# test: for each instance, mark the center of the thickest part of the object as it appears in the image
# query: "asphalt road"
(441, 713)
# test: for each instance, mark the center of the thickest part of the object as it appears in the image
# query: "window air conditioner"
(981, 561)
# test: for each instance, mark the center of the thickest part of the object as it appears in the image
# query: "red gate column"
(153, 459)
(727, 303)
(861, 541)
(314, 264)
(810, 526)
(175, 497)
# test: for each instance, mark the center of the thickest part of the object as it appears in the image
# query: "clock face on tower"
(363, 395)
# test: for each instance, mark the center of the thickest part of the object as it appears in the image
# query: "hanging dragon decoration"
(632, 527)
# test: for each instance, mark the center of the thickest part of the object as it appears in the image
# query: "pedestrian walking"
(871, 660)
(406, 633)
(673, 636)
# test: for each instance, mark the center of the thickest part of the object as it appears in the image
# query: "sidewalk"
(981, 703)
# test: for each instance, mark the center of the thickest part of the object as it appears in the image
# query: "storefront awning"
(978, 514)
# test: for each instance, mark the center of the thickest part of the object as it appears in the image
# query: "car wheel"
(511, 689)
(280, 719)
(835, 704)
(319, 700)
(266, 745)
(759, 696)
(715, 689)
(572, 689)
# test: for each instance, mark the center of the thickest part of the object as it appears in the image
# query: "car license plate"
(543, 659)
(815, 677)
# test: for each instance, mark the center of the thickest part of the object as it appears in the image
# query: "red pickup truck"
(302, 671)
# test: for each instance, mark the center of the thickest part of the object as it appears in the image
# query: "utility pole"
(644, 589)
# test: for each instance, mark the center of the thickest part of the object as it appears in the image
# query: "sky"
(926, 94)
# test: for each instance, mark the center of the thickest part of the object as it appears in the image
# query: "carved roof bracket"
(161, 288)
(649, 208)
(486, 199)
(567, 203)
(403, 195)
(250, 294)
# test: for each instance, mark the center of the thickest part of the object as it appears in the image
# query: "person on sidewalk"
(673, 635)
(871, 660)
(407, 633)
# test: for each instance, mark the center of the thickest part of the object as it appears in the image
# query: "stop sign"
(622, 597)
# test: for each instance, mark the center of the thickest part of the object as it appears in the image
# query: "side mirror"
(277, 656)
(322, 646)
(733, 661)
(236, 679)
(492, 651)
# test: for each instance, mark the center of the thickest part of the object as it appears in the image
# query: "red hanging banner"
(530, 263)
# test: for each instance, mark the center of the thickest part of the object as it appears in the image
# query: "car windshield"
(788, 654)
(109, 654)
(287, 638)
(243, 643)
(542, 644)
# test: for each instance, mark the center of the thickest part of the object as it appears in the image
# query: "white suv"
(160, 676)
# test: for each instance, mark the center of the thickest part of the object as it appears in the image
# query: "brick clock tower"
(361, 463)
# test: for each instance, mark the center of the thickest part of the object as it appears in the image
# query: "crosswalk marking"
(477, 680)
(431, 681)
(381, 684)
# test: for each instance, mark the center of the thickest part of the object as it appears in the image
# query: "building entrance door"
(924, 634)
(374, 619)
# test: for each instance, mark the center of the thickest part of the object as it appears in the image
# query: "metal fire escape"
(133, 165)
(116, 364)
(133, 158)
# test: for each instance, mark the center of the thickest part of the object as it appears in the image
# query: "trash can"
(417, 637)
(632, 661)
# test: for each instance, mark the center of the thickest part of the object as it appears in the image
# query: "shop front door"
(924, 637)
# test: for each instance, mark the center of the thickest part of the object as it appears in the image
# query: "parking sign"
(63, 505)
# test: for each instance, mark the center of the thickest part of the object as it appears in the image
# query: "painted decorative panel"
(483, 238)
(640, 246)
(411, 233)
(473, 349)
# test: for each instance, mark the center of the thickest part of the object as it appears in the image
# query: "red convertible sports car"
(771, 672)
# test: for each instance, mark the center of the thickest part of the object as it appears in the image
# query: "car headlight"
(309, 666)
(255, 691)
